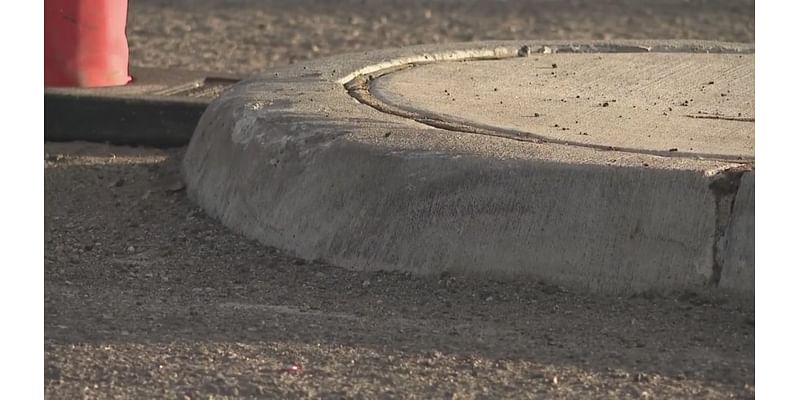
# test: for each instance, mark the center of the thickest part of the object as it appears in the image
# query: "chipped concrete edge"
(238, 182)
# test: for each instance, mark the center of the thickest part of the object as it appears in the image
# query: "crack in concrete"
(725, 188)
(721, 117)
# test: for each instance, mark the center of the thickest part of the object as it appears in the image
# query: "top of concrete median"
(680, 103)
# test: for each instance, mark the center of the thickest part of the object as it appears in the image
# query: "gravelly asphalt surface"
(247, 36)
(146, 297)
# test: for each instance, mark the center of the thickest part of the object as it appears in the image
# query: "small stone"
(641, 377)
(52, 373)
(131, 249)
(555, 65)
(618, 374)
(117, 183)
(176, 186)
(365, 283)
(293, 369)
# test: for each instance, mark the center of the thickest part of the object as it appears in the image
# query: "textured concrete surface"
(647, 102)
(739, 254)
(293, 160)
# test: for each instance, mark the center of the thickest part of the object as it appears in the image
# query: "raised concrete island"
(609, 166)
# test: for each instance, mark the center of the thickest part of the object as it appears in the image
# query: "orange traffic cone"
(85, 43)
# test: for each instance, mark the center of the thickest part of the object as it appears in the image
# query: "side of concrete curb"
(292, 160)
(738, 270)
(159, 108)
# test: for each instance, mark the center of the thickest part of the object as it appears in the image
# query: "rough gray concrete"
(738, 270)
(292, 160)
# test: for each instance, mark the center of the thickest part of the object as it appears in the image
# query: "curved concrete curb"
(294, 160)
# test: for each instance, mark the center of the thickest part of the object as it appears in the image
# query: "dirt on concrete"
(147, 297)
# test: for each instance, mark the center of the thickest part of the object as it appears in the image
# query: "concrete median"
(615, 167)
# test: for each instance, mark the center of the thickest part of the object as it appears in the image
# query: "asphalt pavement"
(148, 297)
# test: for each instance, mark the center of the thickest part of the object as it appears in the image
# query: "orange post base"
(85, 43)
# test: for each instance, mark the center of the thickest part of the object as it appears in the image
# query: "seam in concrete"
(358, 85)
(721, 117)
(725, 187)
